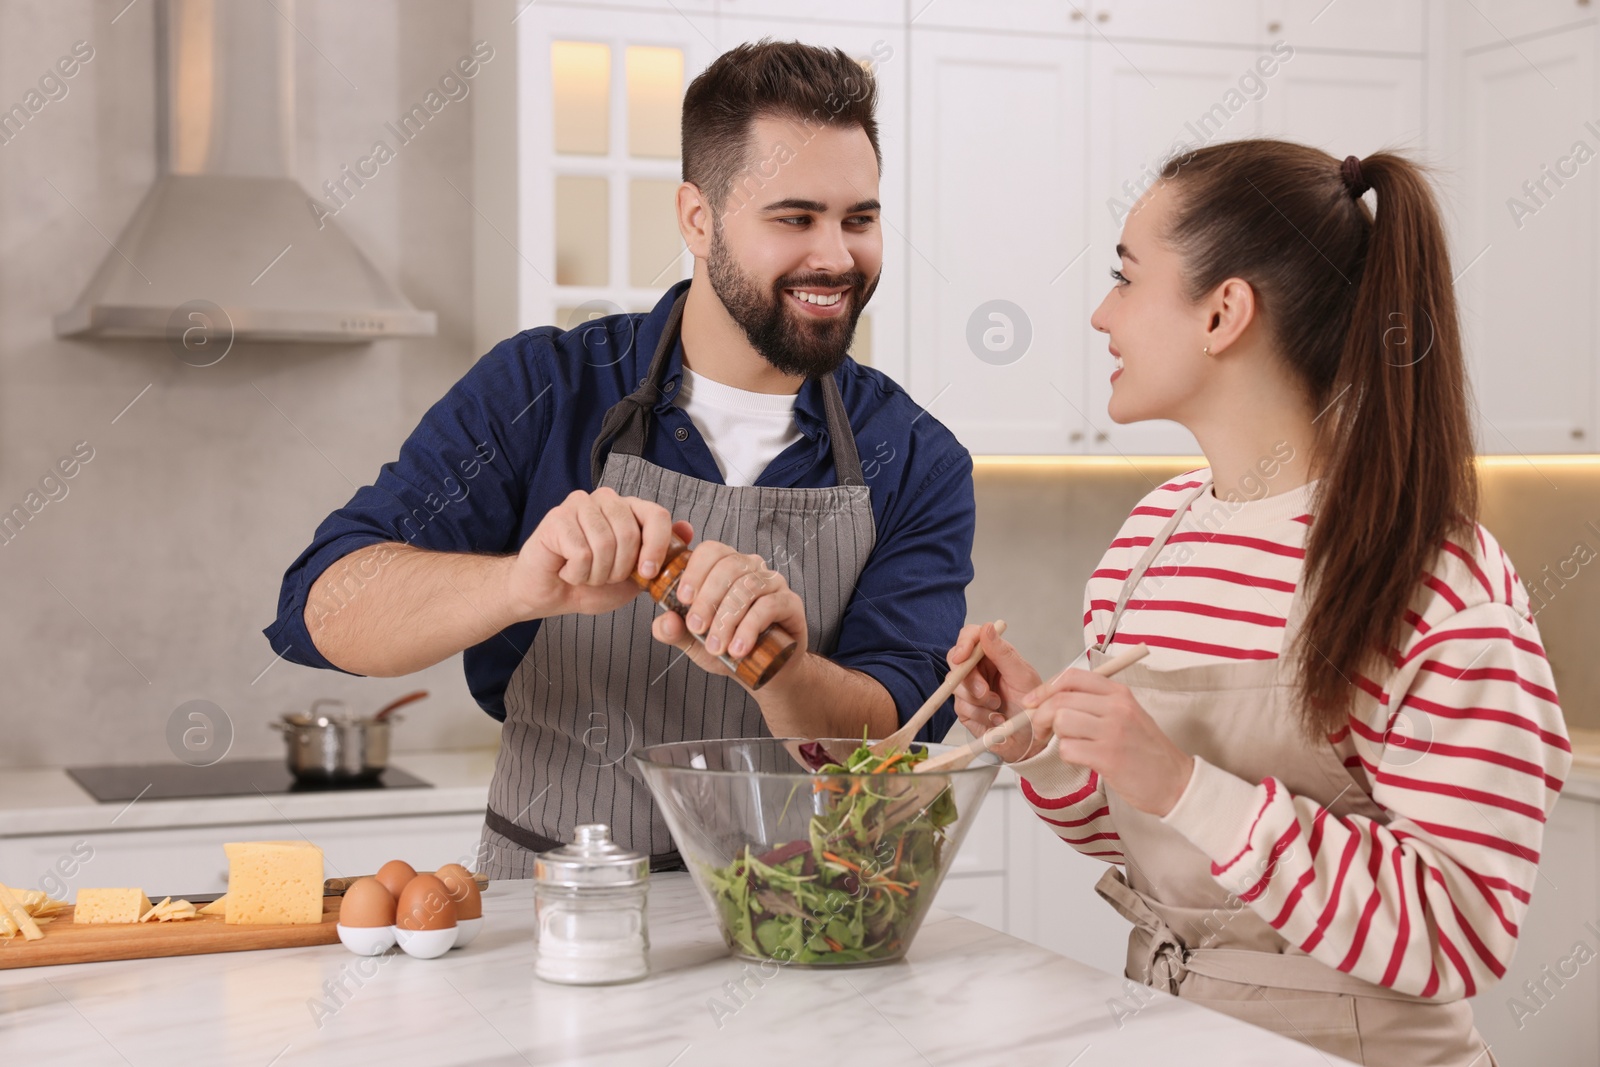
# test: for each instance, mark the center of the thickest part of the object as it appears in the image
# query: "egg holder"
(423, 944)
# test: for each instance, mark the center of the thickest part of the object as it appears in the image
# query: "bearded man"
(567, 461)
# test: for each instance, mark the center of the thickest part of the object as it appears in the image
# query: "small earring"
(1206, 350)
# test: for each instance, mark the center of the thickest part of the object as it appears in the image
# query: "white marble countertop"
(47, 801)
(965, 994)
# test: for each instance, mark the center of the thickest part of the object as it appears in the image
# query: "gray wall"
(171, 541)
(148, 584)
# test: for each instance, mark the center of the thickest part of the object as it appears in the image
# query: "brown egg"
(425, 905)
(367, 903)
(463, 890)
(394, 875)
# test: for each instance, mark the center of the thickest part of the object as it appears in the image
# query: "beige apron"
(593, 689)
(1195, 939)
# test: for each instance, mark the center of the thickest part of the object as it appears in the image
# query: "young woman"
(1323, 792)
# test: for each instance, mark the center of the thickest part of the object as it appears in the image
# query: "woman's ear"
(1229, 311)
(694, 220)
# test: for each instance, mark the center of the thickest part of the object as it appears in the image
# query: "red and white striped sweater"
(1464, 747)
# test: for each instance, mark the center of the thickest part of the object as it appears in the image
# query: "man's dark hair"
(769, 79)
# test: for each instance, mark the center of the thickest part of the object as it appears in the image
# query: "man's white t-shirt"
(745, 431)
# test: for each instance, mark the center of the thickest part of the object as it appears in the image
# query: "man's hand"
(580, 558)
(732, 600)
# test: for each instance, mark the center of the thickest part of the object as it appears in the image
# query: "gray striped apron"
(594, 688)
(1193, 938)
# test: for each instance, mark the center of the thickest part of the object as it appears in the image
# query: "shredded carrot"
(891, 887)
(842, 862)
(890, 762)
(834, 945)
(899, 847)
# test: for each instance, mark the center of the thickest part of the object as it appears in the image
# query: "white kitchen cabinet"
(1562, 1026)
(1527, 239)
(1347, 105)
(979, 897)
(1050, 893)
(1236, 22)
(873, 12)
(1009, 130)
(998, 234)
(1492, 23)
(1348, 25)
(1148, 103)
(1030, 17)
(190, 859)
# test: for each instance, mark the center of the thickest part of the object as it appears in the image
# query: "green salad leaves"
(850, 892)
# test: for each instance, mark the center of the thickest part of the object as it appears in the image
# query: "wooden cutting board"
(65, 941)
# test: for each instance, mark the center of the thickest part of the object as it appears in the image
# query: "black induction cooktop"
(229, 778)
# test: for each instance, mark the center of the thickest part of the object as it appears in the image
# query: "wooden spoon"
(958, 758)
(902, 737)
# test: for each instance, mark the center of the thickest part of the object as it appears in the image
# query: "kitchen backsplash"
(144, 578)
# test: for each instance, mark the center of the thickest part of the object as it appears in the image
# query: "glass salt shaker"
(589, 901)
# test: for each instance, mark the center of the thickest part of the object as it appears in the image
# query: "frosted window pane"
(655, 101)
(653, 241)
(583, 231)
(581, 76)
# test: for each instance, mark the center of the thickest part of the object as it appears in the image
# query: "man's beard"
(792, 342)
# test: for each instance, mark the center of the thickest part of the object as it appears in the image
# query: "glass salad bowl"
(829, 867)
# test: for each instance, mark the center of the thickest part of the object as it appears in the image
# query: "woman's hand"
(993, 692)
(1101, 726)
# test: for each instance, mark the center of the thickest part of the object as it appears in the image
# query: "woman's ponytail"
(1395, 449)
(1362, 305)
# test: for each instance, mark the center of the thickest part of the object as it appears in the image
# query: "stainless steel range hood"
(225, 222)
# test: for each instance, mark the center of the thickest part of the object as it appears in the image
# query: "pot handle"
(387, 711)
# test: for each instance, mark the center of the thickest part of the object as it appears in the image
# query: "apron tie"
(1166, 961)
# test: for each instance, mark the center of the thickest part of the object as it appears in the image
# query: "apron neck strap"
(626, 425)
(1157, 543)
(1298, 605)
(841, 438)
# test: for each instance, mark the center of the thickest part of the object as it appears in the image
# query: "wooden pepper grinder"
(756, 668)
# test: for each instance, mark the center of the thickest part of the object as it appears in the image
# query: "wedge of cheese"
(273, 882)
(16, 918)
(169, 910)
(216, 907)
(110, 906)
